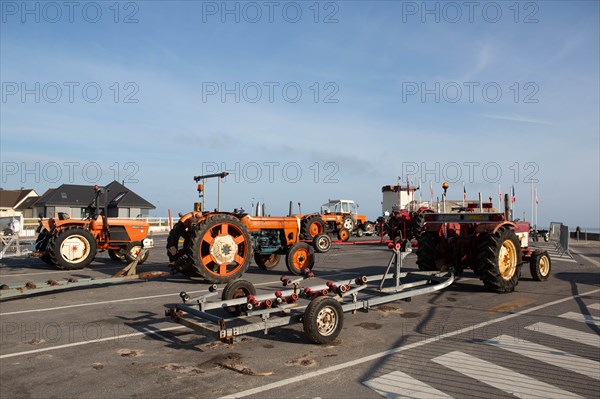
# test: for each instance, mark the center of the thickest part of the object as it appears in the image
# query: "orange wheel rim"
(301, 258)
(344, 235)
(223, 249)
(314, 228)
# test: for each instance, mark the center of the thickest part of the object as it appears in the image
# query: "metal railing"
(559, 236)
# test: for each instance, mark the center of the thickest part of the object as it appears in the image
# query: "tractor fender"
(493, 228)
(191, 218)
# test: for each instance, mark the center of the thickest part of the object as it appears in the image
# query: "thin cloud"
(518, 118)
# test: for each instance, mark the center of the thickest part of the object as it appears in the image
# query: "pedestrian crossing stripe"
(566, 333)
(574, 363)
(585, 318)
(400, 385)
(500, 377)
(595, 306)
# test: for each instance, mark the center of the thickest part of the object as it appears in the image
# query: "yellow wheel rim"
(507, 260)
(544, 265)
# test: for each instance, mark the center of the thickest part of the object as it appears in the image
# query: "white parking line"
(566, 333)
(565, 360)
(595, 306)
(585, 318)
(352, 363)
(87, 269)
(399, 385)
(500, 377)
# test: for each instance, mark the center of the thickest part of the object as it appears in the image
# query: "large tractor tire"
(323, 320)
(312, 226)
(174, 250)
(499, 260)
(41, 246)
(348, 223)
(132, 252)
(369, 228)
(72, 248)
(417, 225)
(300, 258)
(430, 254)
(266, 261)
(219, 249)
(237, 289)
(540, 265)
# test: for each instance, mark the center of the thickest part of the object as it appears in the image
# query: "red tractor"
(73, 243)
(488, 243)
(403, 224)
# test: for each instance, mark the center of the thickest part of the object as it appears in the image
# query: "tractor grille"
(118, 233)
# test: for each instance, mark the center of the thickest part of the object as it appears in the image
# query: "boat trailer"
(319, 308)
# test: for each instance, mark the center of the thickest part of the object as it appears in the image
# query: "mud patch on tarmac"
(36, 342)
(511, 305)
(388, 309)
(369, 326)
(97, 366)
(178, 368)
(303, 361)
(233, 362)
(130, 352)
(268, 346)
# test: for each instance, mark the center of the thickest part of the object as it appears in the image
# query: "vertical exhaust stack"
(507, 214)
(291, 208)
(259, 209)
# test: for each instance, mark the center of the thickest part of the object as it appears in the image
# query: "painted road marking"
(500, 377)
(355, 362)
(584, 318)
(399, 385)
(595, 306)
(566, 333)
(565, 360)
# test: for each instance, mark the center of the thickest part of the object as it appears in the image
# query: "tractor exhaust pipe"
(507, 214)
(291, 208)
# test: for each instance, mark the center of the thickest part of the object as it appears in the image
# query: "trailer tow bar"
(320, 308)
(126, 274)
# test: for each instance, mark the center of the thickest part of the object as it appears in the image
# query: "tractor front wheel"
(540, 265)
(266, 261)
(322, 243)
(499, 260)
(300, 258)
(323, 320)
(219, 249)
(116, 255)
(72, 248)
(344, 234)
(132, 252)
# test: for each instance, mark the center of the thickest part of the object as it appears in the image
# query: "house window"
(63, 195)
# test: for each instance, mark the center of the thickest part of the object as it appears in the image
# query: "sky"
(306, 101)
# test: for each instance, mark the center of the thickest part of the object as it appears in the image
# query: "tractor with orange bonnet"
(218, 246)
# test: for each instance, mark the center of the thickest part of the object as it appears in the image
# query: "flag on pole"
(537, 201)
(407, 187)
(464, 193)
(499, 197)
(431, 191)
(514, 197)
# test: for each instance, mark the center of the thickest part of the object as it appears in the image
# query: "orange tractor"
(339, 217)
(218, 246)
(73, 243)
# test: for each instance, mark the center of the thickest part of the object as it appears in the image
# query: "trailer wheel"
(237, 289)
(132, 251)
(430, 254)
(116, 255)
(266, 261)
(300, 258)
(72, 248)
(369, 228)
(343, 234)
(311, 227)
(323, 320)
(540, 265)
(348, 223)
(360, 232)
(219, 249)
(322, 243)
(499, 260)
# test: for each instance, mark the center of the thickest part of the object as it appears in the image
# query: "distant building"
(77, 200)
(12, 201)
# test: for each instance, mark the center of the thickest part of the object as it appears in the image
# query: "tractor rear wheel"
(323, 320)
(311, 227)
(322, 243)
(219, 249)
(116, 255)
(417, 225)
(237, 289)
(300, 258)
(72, 248)
(430, 254)
(132, 251)
(540, 265)
(344, 234)
(369, 228)
(266, 261)
(499, 260)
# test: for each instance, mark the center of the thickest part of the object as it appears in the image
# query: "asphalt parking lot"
(115, 341)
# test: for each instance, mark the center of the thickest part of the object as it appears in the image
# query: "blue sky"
(362, 118)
